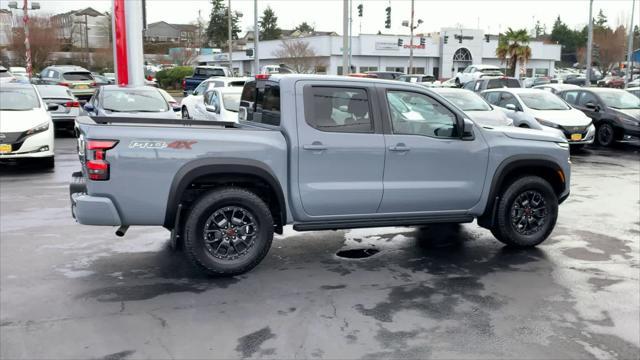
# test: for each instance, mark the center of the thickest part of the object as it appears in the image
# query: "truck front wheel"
(228, 232)
(527, 212)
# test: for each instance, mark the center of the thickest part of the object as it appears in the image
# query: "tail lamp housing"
(95, 160)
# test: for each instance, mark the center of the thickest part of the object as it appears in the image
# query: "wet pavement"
(71, 291)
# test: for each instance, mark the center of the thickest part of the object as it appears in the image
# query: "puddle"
(357, 253)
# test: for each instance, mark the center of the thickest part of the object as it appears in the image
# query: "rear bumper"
(91, 210)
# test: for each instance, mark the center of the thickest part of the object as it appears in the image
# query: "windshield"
(620, 100)
(18, 99)
(78, 76)
(209, 72)
(467, 101)
(542, 100)
(231, 101)
(128, 100)
(54, 91)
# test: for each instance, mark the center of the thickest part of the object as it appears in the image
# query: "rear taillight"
(184, 84)
(64, 84)
(72, 104)
(97, 166)
(93, 84)
(262, 76)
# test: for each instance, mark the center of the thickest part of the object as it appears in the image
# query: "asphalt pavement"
(69, 291)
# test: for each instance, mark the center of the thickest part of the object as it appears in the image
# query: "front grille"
(568, 130)
(11, 137)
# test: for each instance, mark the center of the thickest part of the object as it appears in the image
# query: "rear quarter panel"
(141, 176)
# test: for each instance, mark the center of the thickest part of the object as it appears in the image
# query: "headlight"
(563, 145)
(40, 128)
(548, 123)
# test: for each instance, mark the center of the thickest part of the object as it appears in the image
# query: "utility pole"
(230, 39)
(345, 37)
(256, 38)
(350, 31)
(589, 45)
(630, 45)
(411, 40)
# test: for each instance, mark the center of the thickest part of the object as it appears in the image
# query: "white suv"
(26, 129)
(192, 106)
(475, 72)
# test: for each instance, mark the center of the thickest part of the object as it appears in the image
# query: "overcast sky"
(491, 15)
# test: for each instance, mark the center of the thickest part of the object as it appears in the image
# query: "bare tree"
(182, 56)
(42, 39)
(299, 55)
(612, 44)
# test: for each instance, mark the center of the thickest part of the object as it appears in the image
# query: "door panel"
(427, 167)
(341, 158)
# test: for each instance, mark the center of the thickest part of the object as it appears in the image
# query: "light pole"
(589, 45)
(345, 37)
(630, 45)
(256, 38)
(411, 28)
(25, 21)
(231, 36)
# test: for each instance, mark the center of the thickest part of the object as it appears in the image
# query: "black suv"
(615, 112)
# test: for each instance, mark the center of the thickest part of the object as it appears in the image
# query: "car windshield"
(47, 91)
(467, 101)
(619, 99)
(18, 99)
(129, 100)
(78, 76)
(542, 100)
(231, 101)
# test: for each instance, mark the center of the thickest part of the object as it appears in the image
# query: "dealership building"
(441, 54)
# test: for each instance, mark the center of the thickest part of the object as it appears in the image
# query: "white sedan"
(26, 129)
(475, 72)
(192, 106)
(222, 104)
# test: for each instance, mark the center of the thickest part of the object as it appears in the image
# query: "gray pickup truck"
(317, 152)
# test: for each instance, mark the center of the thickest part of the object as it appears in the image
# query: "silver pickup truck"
(317, 152)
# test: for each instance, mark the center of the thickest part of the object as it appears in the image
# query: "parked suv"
(615, 112)
(488, 83)
(317, 152)
(79, 80)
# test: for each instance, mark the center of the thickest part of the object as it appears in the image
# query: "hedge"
(172, 78)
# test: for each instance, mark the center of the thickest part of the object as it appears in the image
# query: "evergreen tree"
(600, 21)
(269, 29)
(218, 29)
(305, 28)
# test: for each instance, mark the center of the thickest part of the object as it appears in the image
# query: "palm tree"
(513, 47)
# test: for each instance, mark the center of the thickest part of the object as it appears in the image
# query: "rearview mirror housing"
(511, 107)
(88, 107)
(467, 129)
(592, 106)
(212, 108)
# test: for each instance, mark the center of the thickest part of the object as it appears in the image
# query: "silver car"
(477, 108)
(68, 106)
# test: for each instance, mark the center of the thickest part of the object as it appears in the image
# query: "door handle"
(316, 146)
(399, 147)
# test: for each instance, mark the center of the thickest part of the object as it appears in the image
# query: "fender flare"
(227, 166)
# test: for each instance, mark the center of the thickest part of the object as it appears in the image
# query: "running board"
(368, 223)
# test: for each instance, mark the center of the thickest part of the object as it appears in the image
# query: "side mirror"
(511, 107)
(212, 108)
(592, 106)
(89, 107)
(242, 113)
(52, 106)
(176, 108)
(467, 130)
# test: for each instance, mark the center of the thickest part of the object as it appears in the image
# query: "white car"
(26, 128)
(192, 106)
(475, 106)
(18, 70)
(547, 109)
(222, 104)
(5, 75)
(475, 72)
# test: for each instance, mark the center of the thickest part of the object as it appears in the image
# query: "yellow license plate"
(82, 86)
(5, 148)
(576, 137)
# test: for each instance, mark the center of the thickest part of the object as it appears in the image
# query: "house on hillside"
(83, 28)
(182, 34)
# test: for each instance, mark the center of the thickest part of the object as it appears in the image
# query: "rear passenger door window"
(587, 97)
(506, 99)
(338, 109)
(492, 97)
(571, 97)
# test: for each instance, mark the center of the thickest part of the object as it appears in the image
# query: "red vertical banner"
(120, 38)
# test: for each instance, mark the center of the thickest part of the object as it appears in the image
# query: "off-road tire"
(505, 231)
(203, 208)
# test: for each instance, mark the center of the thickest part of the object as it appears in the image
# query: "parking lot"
(72, 291)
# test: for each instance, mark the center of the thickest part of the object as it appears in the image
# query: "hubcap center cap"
(231, 232)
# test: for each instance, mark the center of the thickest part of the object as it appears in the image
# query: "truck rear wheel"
(527, 212)
(228, 232)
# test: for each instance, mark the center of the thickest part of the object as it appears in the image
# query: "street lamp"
(25, 21)
(239, 14)
(412, 27)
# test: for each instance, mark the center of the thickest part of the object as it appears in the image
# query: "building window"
(321, 69)
(529, 72)
(395, 69)
(417, 70)
(436, 72)
(364, 69)
(542, 72)
(340, 70)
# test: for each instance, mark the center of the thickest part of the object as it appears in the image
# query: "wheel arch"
(226, 171)
(513, 168)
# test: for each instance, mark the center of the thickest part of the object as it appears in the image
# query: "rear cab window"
(261, 102)
(77, 76)
(208, 72)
